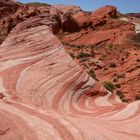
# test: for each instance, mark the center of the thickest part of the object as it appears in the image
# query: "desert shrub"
(117, 85)
(121, 75)
(138, 60)
(125, 100)
(72, 55)
(138, 66)
(136, 38)
(109, 86)
(92, 74)
(120, 94)
(115, 80)
(137, 97)
(127, 54)
(110, 46)
(82, 46)
(112, 64)
(66, 43)
(82, 54)
(77, 46)
(105, 68)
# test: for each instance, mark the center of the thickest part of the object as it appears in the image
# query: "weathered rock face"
(7, 7)
(100, 26)
(17, 13)
(110, 33)
(87, 20)
(47, 95)
(83, 20)
(105, 12)
(69, 8)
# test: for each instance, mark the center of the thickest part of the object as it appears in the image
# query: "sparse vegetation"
(121, 75)
(102, 58)
(72, 55)
(118, 85)
(138, 60)
(66, 43)
(138, 66)
(125, 100)
(109, 86)
(137, 97)
(75, 46)
(115, 80)
(112, 64)
(92, 74)
(105, 68)
(110, 46)
(82, 54)
(136, 38)
(93, 47)
(120, 94)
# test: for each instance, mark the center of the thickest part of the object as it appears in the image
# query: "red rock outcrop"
(105, 12)
(7, 7)
(67, 8)
(101, 31)
(101, 26)
(85, 20)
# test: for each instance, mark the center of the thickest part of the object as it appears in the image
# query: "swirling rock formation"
(45, 93)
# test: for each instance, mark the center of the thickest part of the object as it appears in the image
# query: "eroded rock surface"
(47, 95)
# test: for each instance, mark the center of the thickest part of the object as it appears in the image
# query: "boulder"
(105, 12)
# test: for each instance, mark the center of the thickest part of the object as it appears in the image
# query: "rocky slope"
(45, 94)
(109, 50)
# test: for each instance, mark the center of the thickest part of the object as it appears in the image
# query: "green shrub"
(109, 86)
